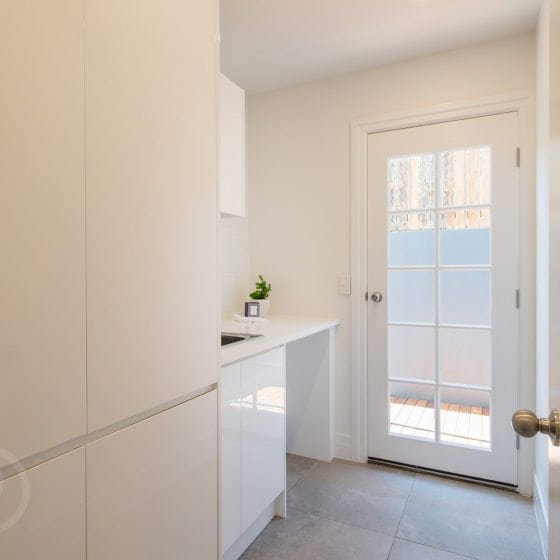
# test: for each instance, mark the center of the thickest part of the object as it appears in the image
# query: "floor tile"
(365, 496)
(296, 467)
(471, 520)
(306, 537)
(404, 550)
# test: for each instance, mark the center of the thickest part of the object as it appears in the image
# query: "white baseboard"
(343, 447)
(542, 516)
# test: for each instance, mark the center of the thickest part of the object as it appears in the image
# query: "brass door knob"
(527, 424)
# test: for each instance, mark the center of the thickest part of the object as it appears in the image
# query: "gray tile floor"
(346, 511)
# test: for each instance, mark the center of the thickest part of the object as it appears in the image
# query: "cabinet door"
(42, 225)
(43, 511)
(232, 148)
(263, 427)
(230, 457)
(153, 487)
(151, 136)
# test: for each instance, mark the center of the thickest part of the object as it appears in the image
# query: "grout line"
(339, 522)
(459, 554)
(405, 505)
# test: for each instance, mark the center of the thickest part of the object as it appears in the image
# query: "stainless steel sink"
(236, 338)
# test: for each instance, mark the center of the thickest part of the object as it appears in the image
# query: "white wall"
(299, 170)
(542, 196)
(234, 265)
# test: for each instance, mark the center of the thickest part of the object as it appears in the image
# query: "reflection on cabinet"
(230, 455)
(42, 511)
(232, 148)
(152, 487)
(151, 100)
(42, 237)
(263, 429)
(253, 436)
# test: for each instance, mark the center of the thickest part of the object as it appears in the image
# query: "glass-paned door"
(442, 244)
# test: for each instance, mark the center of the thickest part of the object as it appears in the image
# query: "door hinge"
(518, 157)
(518, 299)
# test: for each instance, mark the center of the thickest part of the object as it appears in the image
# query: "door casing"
(523, 104)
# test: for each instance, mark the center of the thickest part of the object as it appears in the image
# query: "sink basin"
(236, 338)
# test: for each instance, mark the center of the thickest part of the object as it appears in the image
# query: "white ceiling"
(272, 44)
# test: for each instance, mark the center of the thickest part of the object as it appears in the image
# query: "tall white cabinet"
(151, 120)
(108, 226)
(42, 226)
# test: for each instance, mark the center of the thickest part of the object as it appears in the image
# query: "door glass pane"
(411, 296)
(418, 360)
(465, 176)
(412, 352)
(412, 410)
(465, 356)
(465, 297)
(465, 237)
(465, 417)
(411, 182)
(412, 239)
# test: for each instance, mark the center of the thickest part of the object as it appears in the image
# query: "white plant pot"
(264, 307)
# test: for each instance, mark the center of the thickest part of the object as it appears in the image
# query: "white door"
(443, 267)
(552, 157)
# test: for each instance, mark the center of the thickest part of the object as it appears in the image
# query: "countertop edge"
(270, 341)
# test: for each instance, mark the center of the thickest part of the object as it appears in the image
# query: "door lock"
(527, 424)
(377, 297)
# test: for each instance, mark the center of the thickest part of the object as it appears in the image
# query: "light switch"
(344, 284)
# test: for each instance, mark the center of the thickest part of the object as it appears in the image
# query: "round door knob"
(527, 424)
(377, 297)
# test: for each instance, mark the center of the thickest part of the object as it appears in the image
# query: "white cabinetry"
(42, 511)
(151, 137)
(152, 487)
(230, 457)
(42, 226)
(232, 148)
(263, 432)
(253, 441)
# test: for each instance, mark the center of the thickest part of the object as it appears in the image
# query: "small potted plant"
(261, 293)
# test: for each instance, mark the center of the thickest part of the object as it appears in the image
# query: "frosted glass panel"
(411, 182)
(411, 352)
(465, 176)
(411, 239)
(465, 417)
(465, 356)
(411, 296)
(412, 410)
(465, 237)
(465, 297)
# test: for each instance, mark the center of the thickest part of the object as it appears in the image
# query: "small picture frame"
(252, 309)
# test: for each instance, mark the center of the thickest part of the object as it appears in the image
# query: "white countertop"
(276, 330)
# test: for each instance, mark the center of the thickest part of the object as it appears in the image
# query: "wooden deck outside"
(466, 425)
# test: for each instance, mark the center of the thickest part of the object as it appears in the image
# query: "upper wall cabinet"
(42, 226)
(151, 122)
(232, 148)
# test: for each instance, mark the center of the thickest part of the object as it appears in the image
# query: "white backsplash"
(234, 265)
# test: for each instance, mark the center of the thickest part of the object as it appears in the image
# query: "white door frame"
(523, 104)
